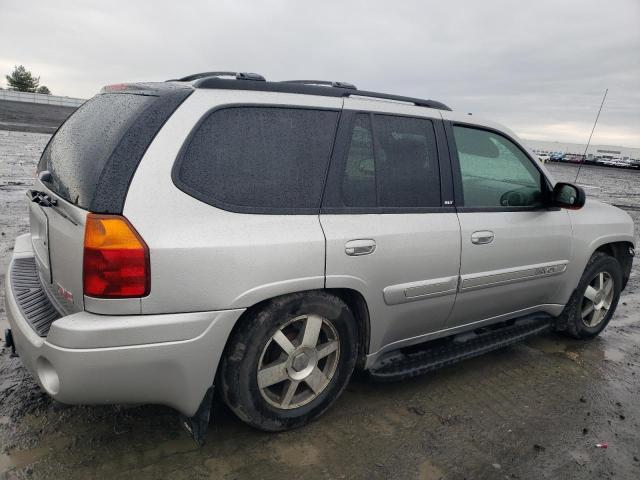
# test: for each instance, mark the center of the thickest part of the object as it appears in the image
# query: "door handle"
(482, 237)
(355, 248)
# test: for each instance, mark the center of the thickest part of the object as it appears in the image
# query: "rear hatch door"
(57, 237)
(40, 239)
(83, 169)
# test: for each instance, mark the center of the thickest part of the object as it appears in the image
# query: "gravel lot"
(531, 411)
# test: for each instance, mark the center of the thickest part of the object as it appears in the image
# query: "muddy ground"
(532, 411)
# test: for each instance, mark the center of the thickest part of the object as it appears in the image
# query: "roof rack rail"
(348, 85)
(419, 102)
(309, 87)
(237, 75)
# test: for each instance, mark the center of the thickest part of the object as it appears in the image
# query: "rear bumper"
(86, 358)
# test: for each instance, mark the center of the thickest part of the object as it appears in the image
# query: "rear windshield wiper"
(44, 200)
(41, 198)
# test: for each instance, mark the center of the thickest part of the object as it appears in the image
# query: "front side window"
(495, 172)
(259, 159)
(391, 162)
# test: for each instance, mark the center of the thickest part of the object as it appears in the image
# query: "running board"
(429, 356)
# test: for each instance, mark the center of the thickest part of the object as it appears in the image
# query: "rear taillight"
(116, 259)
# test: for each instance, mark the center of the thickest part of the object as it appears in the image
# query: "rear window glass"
(259, 159)
(80, 149)
(359, 182)
(400, 172)
(407, 162)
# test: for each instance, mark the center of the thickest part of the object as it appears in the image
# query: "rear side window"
(82, 146)
(391, 162)
(406, 162)
(259, 159)
(359, 182)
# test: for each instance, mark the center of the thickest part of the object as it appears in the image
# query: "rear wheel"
(595, 300)
(288, 361)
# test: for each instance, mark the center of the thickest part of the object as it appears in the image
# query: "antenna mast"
(584, 155)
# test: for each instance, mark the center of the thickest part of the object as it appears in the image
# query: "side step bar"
(429, 356)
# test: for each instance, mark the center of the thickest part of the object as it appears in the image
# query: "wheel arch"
(623, 251)
(353, 298)
(360, 309)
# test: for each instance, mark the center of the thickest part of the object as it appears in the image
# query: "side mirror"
(568, 195)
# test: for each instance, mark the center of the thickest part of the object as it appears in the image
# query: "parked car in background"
(613, 162)
(572, 158)
(543, 157)
(267, 238)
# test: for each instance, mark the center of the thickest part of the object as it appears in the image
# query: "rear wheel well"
(290, 360)
(621, 251)
(358, 306)
(352, 298)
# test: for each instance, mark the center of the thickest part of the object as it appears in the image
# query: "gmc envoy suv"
(270, 237)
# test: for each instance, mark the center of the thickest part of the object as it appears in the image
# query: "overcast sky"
(540, 67)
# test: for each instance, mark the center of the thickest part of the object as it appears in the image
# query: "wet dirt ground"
(532, 411)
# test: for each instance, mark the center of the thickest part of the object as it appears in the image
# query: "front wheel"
(594, 301)
(290, 360)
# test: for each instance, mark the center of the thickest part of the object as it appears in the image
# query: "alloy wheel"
(597, 299)
(298, 362)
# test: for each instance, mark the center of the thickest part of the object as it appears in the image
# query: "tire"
(256, 346)
(572, 317)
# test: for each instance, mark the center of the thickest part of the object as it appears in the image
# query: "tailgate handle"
(355, 248)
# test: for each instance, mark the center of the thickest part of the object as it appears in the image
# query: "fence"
(40, 98)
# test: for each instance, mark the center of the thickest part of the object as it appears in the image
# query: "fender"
(275, 289)
(595, 225)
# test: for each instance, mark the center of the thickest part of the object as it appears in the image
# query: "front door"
(515, 250)
(388, 235)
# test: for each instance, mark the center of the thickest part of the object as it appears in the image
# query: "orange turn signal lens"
(116, 259)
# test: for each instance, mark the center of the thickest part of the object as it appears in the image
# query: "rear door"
(515, 249)
(389, 234)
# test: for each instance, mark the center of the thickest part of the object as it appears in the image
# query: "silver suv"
(269, 237)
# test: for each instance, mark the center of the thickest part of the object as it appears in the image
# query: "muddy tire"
(289, 360)
(595, 300)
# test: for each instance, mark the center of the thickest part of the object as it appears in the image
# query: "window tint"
(495, 172)
(77, 154)
(359, 183)
(402, 171)
(263, 159)
(406, 162)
